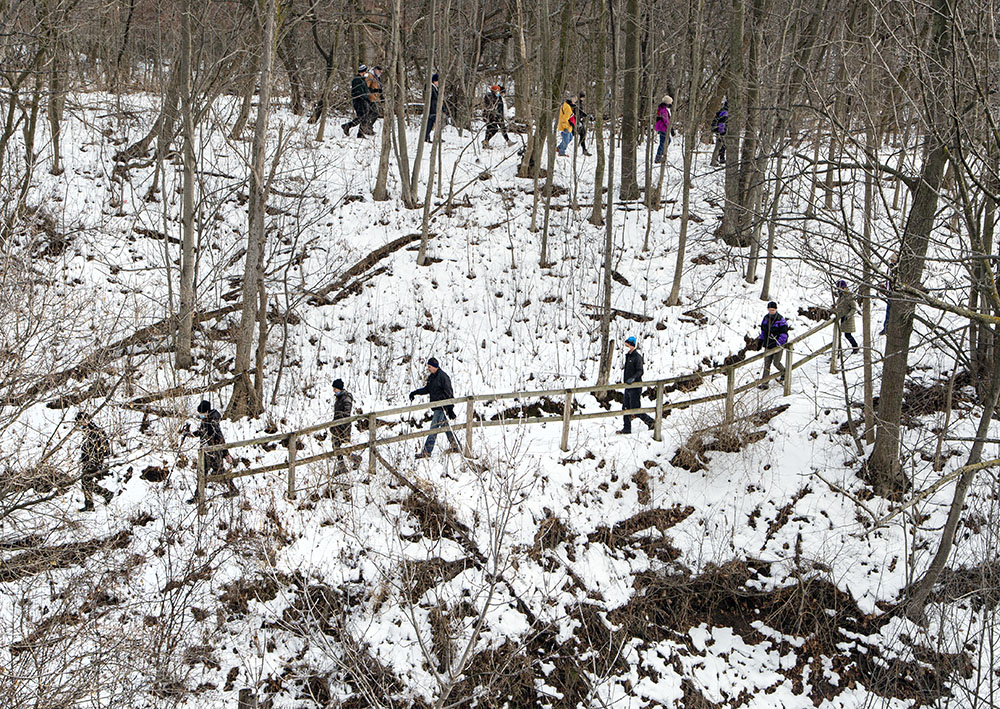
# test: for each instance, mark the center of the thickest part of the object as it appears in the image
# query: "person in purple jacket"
(662, 126)
(773, 336)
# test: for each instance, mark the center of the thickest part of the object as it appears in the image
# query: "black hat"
(434, 78)
(772, 304)
(82, 416)
(338, 384)
(204, 407)
(362, 68)
(433, 362)
(581, 95)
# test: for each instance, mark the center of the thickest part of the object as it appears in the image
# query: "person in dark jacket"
(633, 374)
(773, 336)
(581, 124)
(432, 117)
(359, 99)
(845, 308)
(373, 80)
(210, 434)
(719, 128)
(493, 110)
(94, 452)
(438, 388)
(343, 406)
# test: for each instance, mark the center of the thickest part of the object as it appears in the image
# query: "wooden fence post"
(788, 369)
(730, 393)
(293, 450)
(469, 411)
(835, 349)
(567, 412)
(371, 443)
(199, 493)
(658, 424)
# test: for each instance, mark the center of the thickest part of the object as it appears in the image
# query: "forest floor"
(729, 566)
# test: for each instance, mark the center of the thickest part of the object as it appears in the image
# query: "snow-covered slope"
(606, 576)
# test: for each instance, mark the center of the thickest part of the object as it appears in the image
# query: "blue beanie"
(630, 340)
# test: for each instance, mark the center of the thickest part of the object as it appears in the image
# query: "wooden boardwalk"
(567, 417)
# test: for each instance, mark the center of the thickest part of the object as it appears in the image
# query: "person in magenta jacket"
(662, 126)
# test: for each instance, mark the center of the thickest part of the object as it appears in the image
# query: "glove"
(412, 396)
(451, 413)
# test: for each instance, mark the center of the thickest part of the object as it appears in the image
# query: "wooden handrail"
(565, 417)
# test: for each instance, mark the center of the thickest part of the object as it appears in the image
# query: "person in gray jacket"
(845, 309)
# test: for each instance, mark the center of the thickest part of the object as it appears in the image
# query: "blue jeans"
(437, 422)
(664, 142)
(565, 138)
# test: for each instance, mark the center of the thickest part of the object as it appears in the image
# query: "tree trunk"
(883, 466)
(558, 82)
(604, 373)
(730, 227)
(599, 38)
(630, 102)
(183, 358)
(244, 399)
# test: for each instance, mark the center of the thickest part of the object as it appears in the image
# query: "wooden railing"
(565, 418)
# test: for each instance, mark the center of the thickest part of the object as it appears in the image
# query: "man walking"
(359, 99)
(581, 124)
(493, 110)
(432, 117)
(343, 405)
(94, 452)
(567, 120)
(438, 388)
(210, 434)
(845, 309)
(633, 374)
(773, 336)
(373, 80)
(719, 128)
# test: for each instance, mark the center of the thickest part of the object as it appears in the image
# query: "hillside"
(739, 565)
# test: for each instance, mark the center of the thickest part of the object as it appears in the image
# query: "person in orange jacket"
(567, 120)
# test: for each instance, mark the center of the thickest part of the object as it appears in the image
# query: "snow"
(498, 323)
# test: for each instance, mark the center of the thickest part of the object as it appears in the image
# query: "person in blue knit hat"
(633, 373)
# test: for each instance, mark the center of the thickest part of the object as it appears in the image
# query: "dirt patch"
(785, 513)
(535, 409)
(421, 576)
(725, 439)
(236, 595)
(814, 313)
(622, 535)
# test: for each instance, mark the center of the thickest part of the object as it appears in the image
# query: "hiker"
(633, 374)
(581, 124)
(773, 336)
(359, 99)
(719, 128)
(438, 387)
(565, 126)
(845, 309)
(94, 452)
(432, 116)
(210, 434)
(662, 126)
(343, 405)
(890, 287)
(493, 110)
(373, 81)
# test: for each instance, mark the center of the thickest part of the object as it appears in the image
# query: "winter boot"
(486, 145)
(107, 495)
(88, 506)
(346, 127)
(422, 454)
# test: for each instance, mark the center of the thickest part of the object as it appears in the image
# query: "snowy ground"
(364, 589)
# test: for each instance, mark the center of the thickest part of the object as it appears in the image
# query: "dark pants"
(775, 358)
(664, 142)
(362, 107)
(719, 155)
(630, 400)
(341, 439)
(850, 338)
(88, 481)
(885, 323)
(438, 421)
(214, 466)
(581, 136)
(431, 120)
(493, 128)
